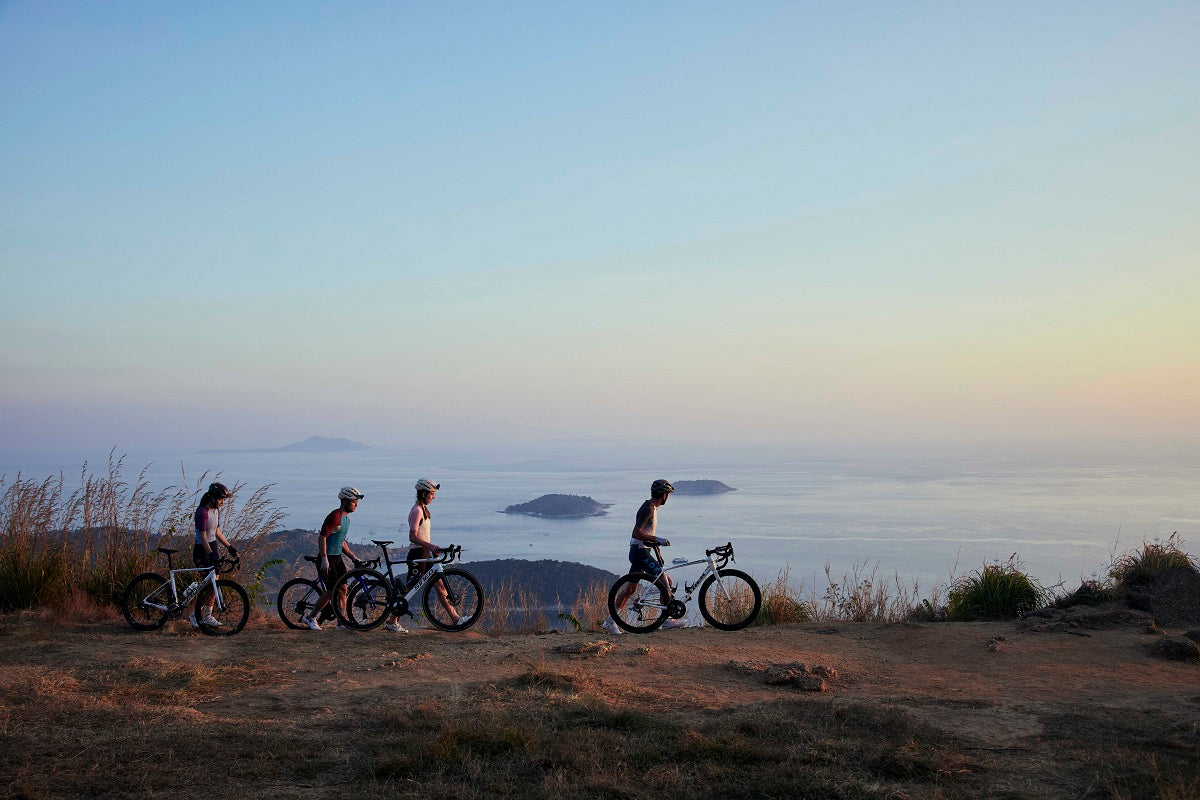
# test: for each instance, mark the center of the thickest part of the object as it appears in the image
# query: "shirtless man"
(641, 558)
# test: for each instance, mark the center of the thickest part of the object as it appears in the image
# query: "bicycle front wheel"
(453, 600)
(638, 603)
(229, 613)
(730, 602)
(368, 597)
(296, 599)
(141, 596)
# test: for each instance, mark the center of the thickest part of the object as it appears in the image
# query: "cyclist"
(641, 557)
(332, 544)
(420, 545)
(204, 551)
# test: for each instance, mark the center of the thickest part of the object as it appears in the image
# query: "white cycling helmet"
(426, 485)
(350, 493)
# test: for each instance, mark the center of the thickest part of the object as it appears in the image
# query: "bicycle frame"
(174, 600)
(689, 589)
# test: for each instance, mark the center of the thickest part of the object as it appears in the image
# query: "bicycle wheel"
(463, 602)
(731, 602)
(230, 614)
(149, 587)
(296, 599)
(368, 596)
(645, 603)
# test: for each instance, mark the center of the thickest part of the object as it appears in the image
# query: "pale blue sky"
(241, 224)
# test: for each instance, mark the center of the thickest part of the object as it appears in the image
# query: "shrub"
(998, 591)
(1089, 593)
(781, 604)
(1140, 567)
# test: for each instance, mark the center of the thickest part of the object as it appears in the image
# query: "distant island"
(560, 505)
(313, 444)
(702, 487)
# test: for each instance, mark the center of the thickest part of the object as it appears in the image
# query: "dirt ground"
(1011, 697)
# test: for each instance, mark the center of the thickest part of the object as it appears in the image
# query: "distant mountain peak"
(313, 444)
(318, 444)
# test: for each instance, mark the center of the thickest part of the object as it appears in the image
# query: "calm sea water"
(923, 520)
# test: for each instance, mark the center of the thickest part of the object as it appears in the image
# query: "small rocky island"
(702, 487)
(560, 505)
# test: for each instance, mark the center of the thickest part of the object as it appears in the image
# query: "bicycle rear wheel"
(296, 599)
(730, 602)
(638, 603)
(149, 587)
(368, 597)
(463, 602)
(230, 613)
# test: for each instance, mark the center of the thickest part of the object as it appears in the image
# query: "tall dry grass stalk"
(56, 545)
(866, 596)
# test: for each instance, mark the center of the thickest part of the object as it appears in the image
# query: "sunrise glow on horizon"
(761, 223)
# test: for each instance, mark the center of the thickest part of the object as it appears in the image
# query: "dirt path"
(993, 687)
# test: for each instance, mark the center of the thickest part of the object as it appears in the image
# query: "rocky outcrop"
(805, 677)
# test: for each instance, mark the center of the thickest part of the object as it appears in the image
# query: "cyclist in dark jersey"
(332, 543)
(204, 551)
(641, 558)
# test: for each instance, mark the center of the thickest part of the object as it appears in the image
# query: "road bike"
(729, 598)
(451, 596)
(150, 599)
(297, 597)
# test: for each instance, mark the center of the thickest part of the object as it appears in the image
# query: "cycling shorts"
(203, 559)
(641, 559)
(337, 568)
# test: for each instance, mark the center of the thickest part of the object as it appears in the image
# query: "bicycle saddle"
(167, 551)
(381, 544)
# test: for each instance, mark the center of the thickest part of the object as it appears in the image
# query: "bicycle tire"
(231, 613)
(295, 600)
(463, 591)
(368, 598)
(733, 603)
(140, 616)
(645, 608)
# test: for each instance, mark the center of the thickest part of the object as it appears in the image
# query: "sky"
(230, 225)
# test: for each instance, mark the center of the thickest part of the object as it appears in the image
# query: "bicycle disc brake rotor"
(676, 609)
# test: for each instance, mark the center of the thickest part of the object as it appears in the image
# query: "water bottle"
(191, 590)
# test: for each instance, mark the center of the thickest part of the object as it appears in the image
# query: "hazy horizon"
(775, 227)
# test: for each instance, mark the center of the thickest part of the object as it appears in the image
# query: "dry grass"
(133, 716)
(57, 544)
(864, 595)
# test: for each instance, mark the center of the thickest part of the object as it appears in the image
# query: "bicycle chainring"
(676, 609)
(399, 606)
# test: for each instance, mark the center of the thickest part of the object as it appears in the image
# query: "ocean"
(922, 520)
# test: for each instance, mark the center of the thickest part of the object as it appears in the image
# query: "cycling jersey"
(334, 531)
(207, 522)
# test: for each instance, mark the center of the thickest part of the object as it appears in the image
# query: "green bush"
(1140, 567)
(998, 591)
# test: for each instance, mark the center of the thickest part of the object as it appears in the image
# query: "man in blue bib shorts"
(641, 557)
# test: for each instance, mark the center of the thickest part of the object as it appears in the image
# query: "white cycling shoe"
(612, 627)
(395, 627)
(674, 623)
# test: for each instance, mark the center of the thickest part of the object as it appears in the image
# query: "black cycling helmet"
(661, 486)
(219, 490)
